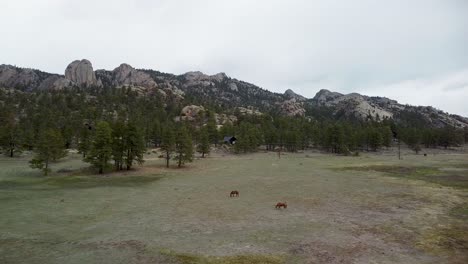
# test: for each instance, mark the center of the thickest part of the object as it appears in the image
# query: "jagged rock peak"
(197, 76)
(81, 72)
(325, 95)
(122, 71)
(291, 94)
(219, 76)
(127, 75)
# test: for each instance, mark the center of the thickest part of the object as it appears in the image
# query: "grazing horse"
(234, 194)
(279, 205)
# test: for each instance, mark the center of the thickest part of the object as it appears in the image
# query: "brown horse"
(234, 194)
(279, 205)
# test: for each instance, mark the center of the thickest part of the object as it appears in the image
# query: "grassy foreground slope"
(368, 209)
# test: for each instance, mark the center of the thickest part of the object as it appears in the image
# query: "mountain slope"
(377, 108)
(225, 93)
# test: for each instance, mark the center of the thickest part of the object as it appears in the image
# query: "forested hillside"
(112, 117)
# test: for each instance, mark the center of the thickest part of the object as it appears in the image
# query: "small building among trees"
(229, 140)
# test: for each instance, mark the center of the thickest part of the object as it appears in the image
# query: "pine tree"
(270, 135)
(450, 136)
(335, 139)
(50, 147)
(226, 130)
(387, 136)
(465, 134)
(168, 143)
(100, 152)
(430, 138)
(255, 138)
(292, 139)
(10, 140)
(183, 147)
(203, 146)
(243, 138)
(118, 144)
(412, 139)
(156, 133)
(84, 142)
(134, 146)
(248, 139)
(212, 129)
(374, 138)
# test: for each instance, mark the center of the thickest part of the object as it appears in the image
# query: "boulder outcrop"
(81, 73)
(127, 75)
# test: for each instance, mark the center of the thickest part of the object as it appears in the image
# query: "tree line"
(113, 128)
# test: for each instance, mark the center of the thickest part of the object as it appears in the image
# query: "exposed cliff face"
(352, 104)
(324, 97)
(292, 107)
(81, 73)
(30, 79)
(55, 82)
(378, 108)
(127, 75)
(13, 77)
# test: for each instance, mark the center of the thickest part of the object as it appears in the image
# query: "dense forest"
(113, 127)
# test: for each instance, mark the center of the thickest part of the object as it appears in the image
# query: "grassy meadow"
(368, 209)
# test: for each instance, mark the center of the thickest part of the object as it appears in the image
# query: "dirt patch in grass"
(445, 177)
(100, 181)
(450, 240)
(4, 185)
(76, 182)
(460, 211)
(239, 259)
(319, 252)
(453, 180)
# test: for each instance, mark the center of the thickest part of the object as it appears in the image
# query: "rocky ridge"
(222, 91)
(379, 108)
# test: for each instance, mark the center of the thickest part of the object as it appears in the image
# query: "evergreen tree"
(226, 130)
(134, 146)
(429, 138)
(168, 143)
(450, 137)
(84, 141)
(270, 135)
(375, 138)
(156, 133)
(118, 143)
(212, 129)
(50, 147)
(465, 134)
(10, 140)
(248, 139)
(292, 138)
(203, 146)
(183, 147)
(335, 139)
(412, 139)
(100, 152)
(387, 136)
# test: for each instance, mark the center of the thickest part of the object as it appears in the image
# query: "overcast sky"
(414, 51)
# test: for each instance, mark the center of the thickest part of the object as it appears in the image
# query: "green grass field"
(367, 209)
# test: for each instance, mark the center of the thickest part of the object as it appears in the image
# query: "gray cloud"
(354, 45)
